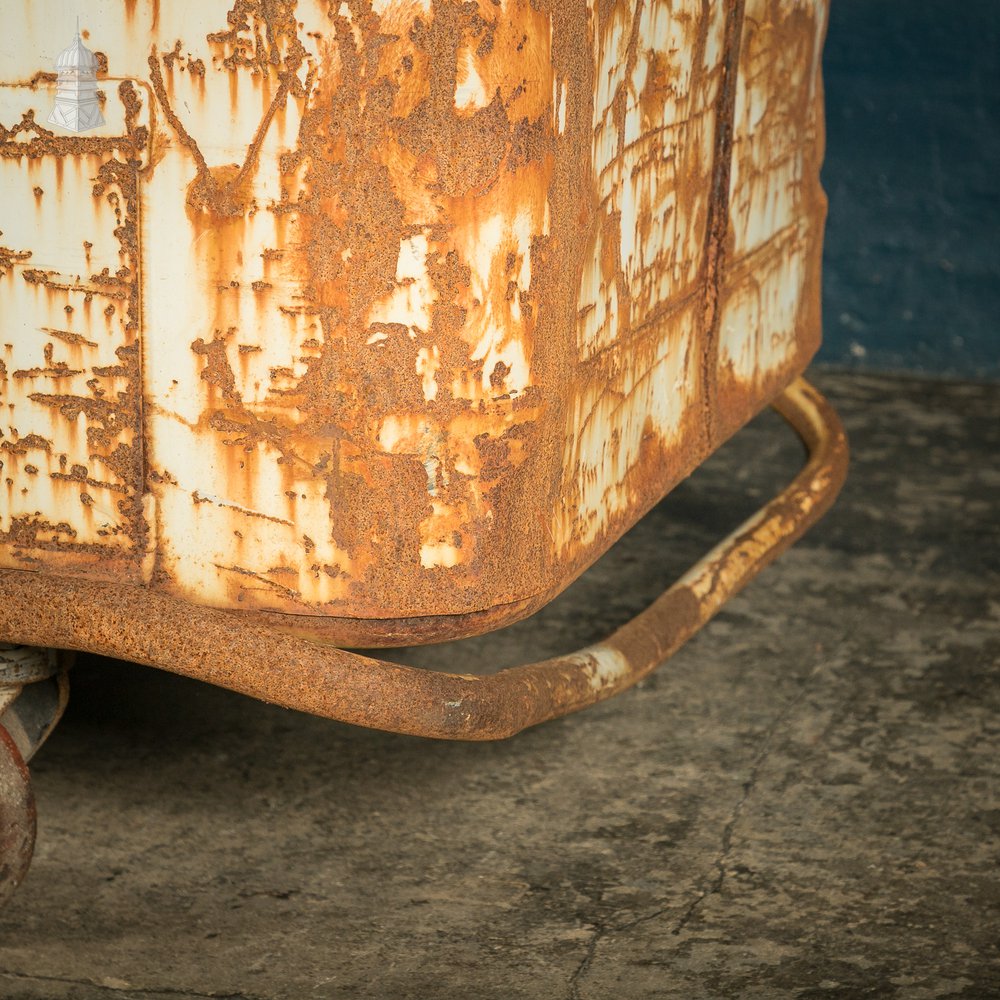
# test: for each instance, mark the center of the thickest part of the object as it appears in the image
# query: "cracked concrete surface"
(803, 803)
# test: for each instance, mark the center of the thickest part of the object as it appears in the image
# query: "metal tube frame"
(132, 623)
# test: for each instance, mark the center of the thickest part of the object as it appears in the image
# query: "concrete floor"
(804, 802)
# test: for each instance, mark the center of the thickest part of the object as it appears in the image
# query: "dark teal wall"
(912, 258)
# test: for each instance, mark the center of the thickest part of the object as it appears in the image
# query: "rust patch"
(8, 258)
(21, 446)
(69, 337)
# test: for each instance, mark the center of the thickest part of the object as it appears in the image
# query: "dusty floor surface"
(805, 802)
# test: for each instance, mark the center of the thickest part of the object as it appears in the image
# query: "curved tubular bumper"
(135, 624)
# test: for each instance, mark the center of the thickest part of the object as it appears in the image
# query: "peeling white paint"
(470, 91)
(410, 302)
(438, 548)
(382, 7)
(603, 665)
(428, 363)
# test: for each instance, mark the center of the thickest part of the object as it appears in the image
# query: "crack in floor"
(599, 930)
(726, 845)
(714, 886)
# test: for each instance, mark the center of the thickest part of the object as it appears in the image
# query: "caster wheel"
(17, 816)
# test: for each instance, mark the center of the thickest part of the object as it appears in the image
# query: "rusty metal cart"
(377, 323)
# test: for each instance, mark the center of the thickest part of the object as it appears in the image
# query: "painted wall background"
(912, 257)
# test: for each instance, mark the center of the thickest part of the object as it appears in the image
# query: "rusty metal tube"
(136, 624)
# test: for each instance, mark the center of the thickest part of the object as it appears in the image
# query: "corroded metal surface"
(380, 321)
(72, 485)
(217, 646)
